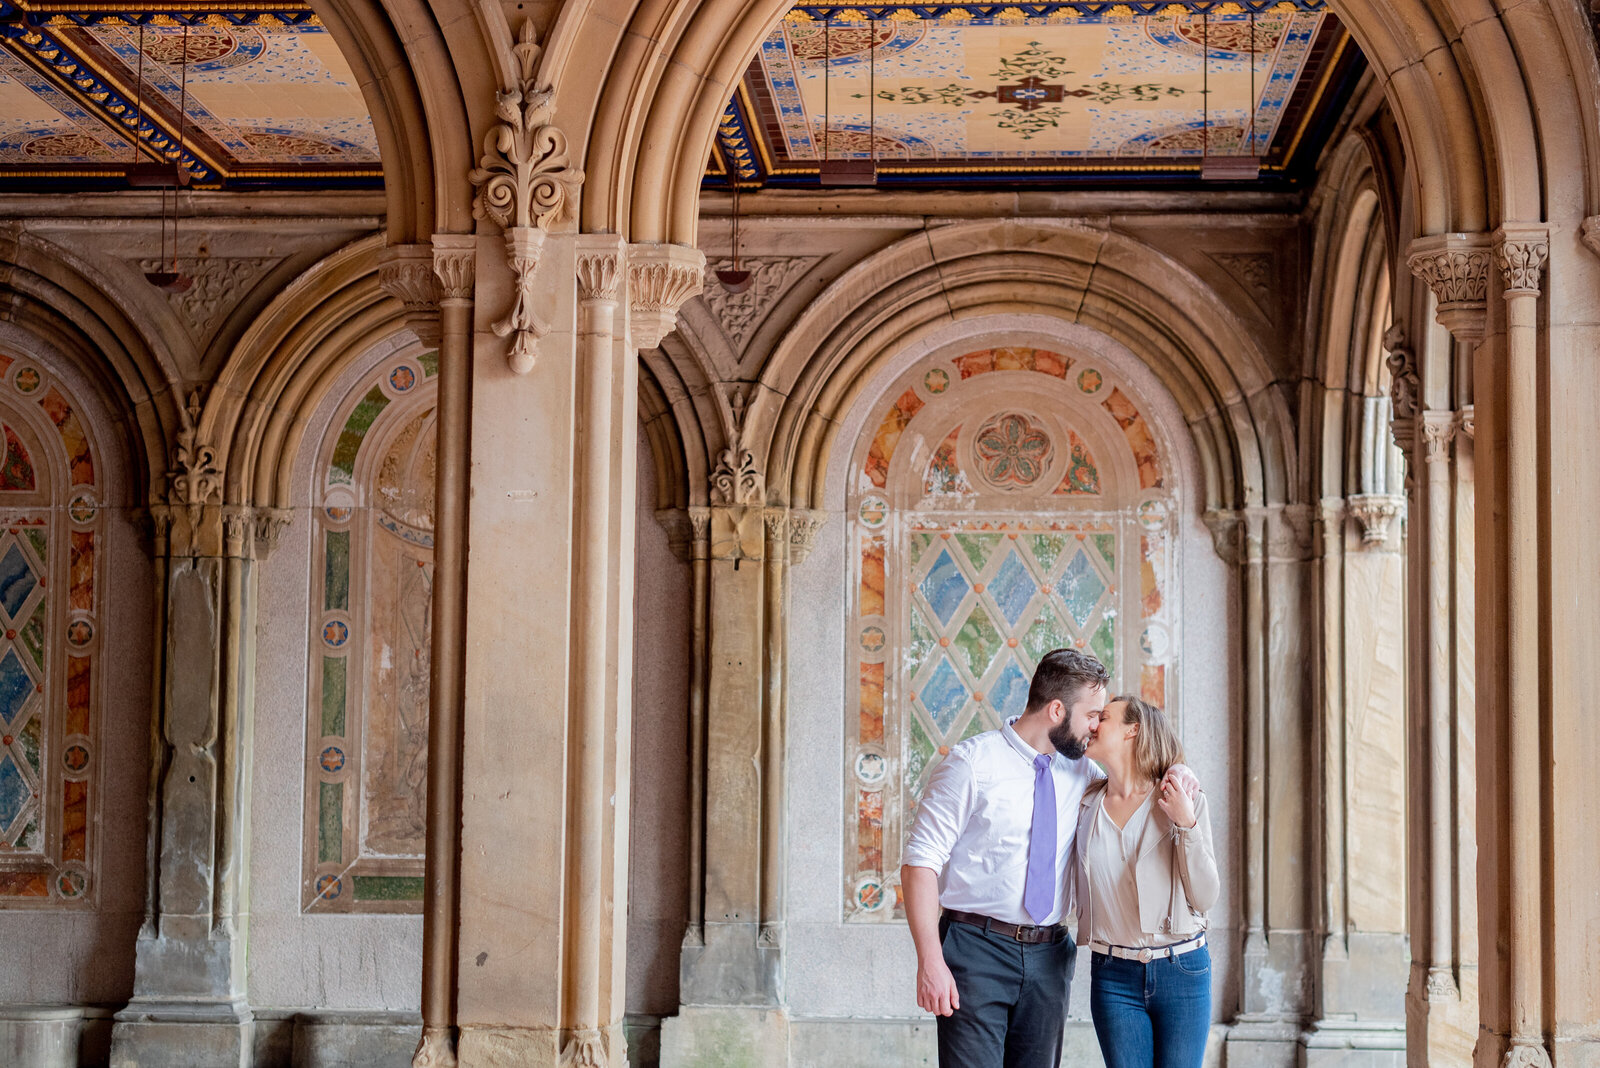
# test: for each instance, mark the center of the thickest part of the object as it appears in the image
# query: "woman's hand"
(1177, 804)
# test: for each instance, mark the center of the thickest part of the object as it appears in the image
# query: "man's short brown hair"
(1065, 675)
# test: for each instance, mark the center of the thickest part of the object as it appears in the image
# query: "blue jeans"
(1154, 1015)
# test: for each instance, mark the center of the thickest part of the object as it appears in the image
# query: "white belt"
(1147, 954)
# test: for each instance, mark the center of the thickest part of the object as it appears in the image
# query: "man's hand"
(1179, 777)
(936, 987)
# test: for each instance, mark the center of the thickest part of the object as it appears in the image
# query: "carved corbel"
(405, 272)
(194, 478)
(526, 184)
(269, 527)
(1521, 253)
(584, 1049)
(736, 480)
(1404, 388)
(1375, 513)
(680, 531)
(660, 279)
(803, 529)
(1456, 268)
(1225, 527)
(1590, 233)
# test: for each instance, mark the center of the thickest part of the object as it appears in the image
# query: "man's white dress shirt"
(976, 817)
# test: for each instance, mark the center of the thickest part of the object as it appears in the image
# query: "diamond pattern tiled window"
(970, 568)
(50, 535)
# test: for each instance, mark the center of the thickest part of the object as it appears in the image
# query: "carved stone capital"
(238, 530)
(1590, 233)
(1521, 253)
(777, 523)
(455, 265)
(1438, 432)
(269, 527)
(599, 274)
(405, 272)
(1456, 268)
(1226, 528)
(1467, 422)
(1376, 513)
(803, 528)
(700, 524)
(735, 479)
(1442, 985)
(525, 177)
(680, 531)
(660, 279)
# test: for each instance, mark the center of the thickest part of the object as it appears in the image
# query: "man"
(992, 836)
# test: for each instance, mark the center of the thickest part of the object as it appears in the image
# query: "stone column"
(189, 1008)
(1276, 731)
(1441, 996)
(1517, 822)
(731, 977)
(435, 284)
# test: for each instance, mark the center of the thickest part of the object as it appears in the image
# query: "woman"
(1145, 874)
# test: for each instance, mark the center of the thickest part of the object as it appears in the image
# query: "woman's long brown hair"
(1156, 747)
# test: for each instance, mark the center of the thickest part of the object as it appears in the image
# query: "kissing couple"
(1082, 803)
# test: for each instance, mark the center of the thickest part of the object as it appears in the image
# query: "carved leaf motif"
(742, 313)
(220, 282)
(1252, 270)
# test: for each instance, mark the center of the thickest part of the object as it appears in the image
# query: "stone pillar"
(731, 978)
(189, 1008)
(1276, 731)
(435, 283)
(1441, 996)
(1361, 754)
(1515, 1024)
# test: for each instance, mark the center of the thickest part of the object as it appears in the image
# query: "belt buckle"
(1144, 955)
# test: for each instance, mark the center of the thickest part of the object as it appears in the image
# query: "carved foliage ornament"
(1521, 257)
(741, 313)
(526, 184)
(1456, 275)
(660, 279)
(195, 477)
(736, 480)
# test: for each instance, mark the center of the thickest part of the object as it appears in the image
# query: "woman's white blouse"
(1111, 854)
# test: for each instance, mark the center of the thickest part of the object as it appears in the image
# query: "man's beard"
(1067, 744)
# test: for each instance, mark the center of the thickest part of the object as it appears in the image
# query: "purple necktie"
(1039, 892)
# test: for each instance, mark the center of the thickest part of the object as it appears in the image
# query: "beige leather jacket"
(1176, 870)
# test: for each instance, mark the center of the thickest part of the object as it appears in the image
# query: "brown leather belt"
(1020, 931)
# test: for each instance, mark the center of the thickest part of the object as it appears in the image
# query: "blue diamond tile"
(1081, 587)
(16, 580)
(944, 695)
(15, 792)
(16, 686)
(1012, 588)
(945, 587)
(1009, 694)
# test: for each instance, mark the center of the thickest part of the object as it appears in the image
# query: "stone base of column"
(727, 1036)
(732, 965)
(52, 1036)
(167, 1034)
(1333, 1043)
(1441, 1017)
(539, 1047)
(1263, 1042)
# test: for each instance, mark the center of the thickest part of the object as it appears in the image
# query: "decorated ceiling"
(236, 94)
(1052, 91)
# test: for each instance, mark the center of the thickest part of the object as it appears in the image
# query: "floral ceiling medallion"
(1012, 451)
